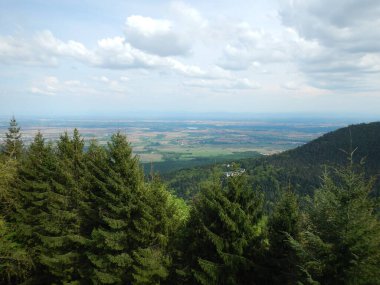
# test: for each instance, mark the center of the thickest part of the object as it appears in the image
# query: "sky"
(94, 57)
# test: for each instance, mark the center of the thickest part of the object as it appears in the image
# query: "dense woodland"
(301, 167)
(75, 216)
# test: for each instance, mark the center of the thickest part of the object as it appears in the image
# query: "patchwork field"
(185, 143)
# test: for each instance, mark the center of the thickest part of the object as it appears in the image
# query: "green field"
(175, 144)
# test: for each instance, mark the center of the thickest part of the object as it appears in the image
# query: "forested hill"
(75, 216)
(302, 167)
(334, 147)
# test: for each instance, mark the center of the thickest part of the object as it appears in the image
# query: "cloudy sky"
(264, 56)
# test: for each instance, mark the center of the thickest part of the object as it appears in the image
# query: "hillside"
(301, 167)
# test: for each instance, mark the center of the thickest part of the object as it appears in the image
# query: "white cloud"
(22, 51)
(51, 85)
(223, 85)
(46, 41)
(155, 36)
(340, 42)
(110, 53)
(124, 78)
(249, 46)
(291, 85)
(189, 16)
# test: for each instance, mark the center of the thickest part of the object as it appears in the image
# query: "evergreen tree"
(62, 242)
(225, 234)
(284, 223)
(15, 263)
(116, 181)
(165, 215)
(341, 244)
(13, 144)
(8, 173)
(264, 179)
(33, 194)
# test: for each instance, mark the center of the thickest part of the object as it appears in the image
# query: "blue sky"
(117, 57)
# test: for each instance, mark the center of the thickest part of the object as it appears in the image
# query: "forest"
(71, 214)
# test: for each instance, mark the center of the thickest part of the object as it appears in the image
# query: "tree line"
(75, 216)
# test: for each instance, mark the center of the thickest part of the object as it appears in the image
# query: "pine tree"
(62, 240)
(8, 173)
(225, 234)
(13, 145)
(341, 244)
(164, 217)
(284, 223)
(15, 263)
(33, 190)
(116, 181)
(151, 266)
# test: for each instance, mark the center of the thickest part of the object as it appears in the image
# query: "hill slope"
(302, 166)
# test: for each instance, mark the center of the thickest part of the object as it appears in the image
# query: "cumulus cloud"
(189, 17)
(73, 49)
(111, 53)
(333, 45)
(22, 51)
(112, 85)
(347, 24)
(250, 45)
(344, 39)
(155, 36)
(117, 53)
(51, 86)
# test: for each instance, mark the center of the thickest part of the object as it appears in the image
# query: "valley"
(177, 143)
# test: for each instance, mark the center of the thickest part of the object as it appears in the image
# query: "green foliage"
(111, 205)
(13, 147)
(225, 233)
(70, 216)
(8, 172)
(132, 222)
(301, 167)
(284, 224)
(265, 179)
(151, 266)
(62, 240)
(341, 241)
(33, 184)
(15, 263)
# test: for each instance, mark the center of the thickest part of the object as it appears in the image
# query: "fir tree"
(151, 266)
(62, 240)
(33, 191)
(15, 263)
(8, 174)
(13, 144)
(341, 244)
(116, 182)
(284, 223)
(225, 234)
(165, 216)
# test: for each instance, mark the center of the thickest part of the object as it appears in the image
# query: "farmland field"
(182, 143)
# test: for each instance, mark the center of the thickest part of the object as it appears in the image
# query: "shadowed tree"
(284, 222)
(225, 234)
(341, 241)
